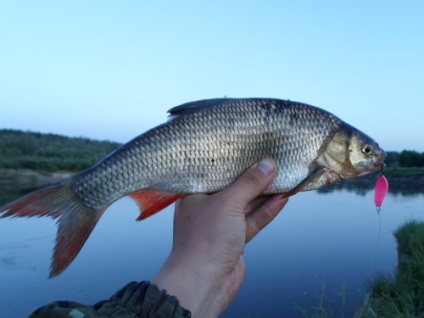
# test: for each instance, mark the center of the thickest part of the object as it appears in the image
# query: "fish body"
(204, 147)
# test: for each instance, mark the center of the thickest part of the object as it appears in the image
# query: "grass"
(403, 294)
(322, 310)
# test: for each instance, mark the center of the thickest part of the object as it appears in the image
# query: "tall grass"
(403, 294)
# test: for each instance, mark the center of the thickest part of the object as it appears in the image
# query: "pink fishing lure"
(381, 188)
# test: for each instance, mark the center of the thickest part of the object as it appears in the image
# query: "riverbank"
(396, 176)
(398, 295)
(17, 182)
(29, 178)
(410, 176)
(403, 294)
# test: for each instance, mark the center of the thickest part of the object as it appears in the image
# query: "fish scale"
(204, 147)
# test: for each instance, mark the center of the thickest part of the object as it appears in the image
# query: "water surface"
(322, 245)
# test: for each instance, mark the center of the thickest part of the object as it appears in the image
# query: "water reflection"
(366, 184)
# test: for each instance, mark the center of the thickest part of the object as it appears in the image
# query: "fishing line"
(381, 189)
(377, 248)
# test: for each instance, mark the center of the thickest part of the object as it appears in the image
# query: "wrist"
(197, 285)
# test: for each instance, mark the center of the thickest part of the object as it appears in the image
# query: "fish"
(203, 147)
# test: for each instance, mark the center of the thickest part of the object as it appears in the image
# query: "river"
(324, 248)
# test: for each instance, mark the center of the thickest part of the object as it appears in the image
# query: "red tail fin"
(75, 221)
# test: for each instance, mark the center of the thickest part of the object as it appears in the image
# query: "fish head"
(351, 153)
(365, 155)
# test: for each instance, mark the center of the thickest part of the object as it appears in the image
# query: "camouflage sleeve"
(134, 300)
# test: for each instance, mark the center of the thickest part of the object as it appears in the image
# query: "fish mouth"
(379, 164)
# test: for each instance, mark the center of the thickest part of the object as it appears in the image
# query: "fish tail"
(75, 221)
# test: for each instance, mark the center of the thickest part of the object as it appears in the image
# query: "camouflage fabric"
(134, 300)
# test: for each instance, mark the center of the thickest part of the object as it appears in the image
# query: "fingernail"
(265, 166)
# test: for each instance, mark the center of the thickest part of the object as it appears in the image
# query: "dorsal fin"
(190, 107)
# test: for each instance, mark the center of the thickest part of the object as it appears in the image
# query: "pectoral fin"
(314, 176)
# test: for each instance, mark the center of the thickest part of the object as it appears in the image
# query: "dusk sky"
(111, 69)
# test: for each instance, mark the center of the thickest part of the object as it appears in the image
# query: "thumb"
(253, 182)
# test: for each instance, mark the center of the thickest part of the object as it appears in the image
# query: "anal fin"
(152, 201)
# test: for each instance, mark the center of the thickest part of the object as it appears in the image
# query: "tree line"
(406, 159)
(50, 152)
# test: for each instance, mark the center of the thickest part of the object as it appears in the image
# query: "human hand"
(205, 268)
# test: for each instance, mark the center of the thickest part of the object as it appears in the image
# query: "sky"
(110, 70)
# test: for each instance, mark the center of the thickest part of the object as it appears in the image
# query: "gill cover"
(335, 155)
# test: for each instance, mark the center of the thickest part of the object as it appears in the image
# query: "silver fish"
(204, 147)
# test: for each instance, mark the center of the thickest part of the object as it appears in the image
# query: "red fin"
(72, 233)
(152, 201)
(75, 221)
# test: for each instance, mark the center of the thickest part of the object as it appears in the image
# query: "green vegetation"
(49, 152)
(398, 172)
(406, 159)
(403, 294)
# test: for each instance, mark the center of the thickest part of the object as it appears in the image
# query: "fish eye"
(367, 149)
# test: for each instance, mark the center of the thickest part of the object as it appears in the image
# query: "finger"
(253, 182)
(260, 218)
(256, 203)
